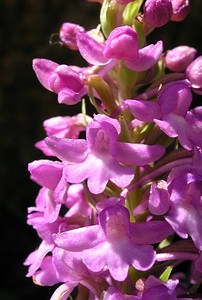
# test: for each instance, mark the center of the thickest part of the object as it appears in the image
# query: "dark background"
(26, 26)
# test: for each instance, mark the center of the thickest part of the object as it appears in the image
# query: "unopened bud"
(180, 10)
(194, 74)
(157, 12)
(178, 59)
(68, 33)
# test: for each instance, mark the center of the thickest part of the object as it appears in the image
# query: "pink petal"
(91, 50)
(148, 56)
(138, 154)
(43, 69)
(69, 150)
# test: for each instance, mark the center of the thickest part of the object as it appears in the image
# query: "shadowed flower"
(116, 47)
(60, 79)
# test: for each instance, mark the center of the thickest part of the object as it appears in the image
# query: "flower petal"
(43, 69)
(69, 150)
(90, 49)
(138, 154)
(148, 56)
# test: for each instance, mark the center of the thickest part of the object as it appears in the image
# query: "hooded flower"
(175, 99)
(101, 157)
(60, 79)
(68, 127)
(116, 47)
(109, 244)
(185, 213)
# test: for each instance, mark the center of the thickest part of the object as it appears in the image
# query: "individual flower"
(178, 59)
(157, 12)
(39, 220)
(68, 127)
(49, 174)
(193, 127)
(101, 157)
(109, 244)
(116, 47)
(71, 270)
(184, 186)
(60, 79)
(175, 99)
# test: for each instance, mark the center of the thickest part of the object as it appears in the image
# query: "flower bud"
(194, 74)
(68, 33)
(180, 10)
(157, 12)
(178, 59)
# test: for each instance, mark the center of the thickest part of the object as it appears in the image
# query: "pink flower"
(60, 79)
(101, 156)
(193, 74)
(157, 12)
(68, 32)
(116, 47)
(68, 127)
(178, 59)
(175, 99)
(108, 244)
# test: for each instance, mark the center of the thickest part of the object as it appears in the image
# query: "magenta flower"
(193, 74)
(108, 244)
(68, 127)
(46, 275)
(60, 79)
(157, 12)
(68, 33)
(70, 269)
(101, 156)
(185, 213)
(116, 47)
(178, 59)
(50, 175)
(193, 127)
(175, 99)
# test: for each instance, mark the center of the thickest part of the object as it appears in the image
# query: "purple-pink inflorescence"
(119, 209)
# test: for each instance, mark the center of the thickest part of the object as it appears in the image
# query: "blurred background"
(26, 27)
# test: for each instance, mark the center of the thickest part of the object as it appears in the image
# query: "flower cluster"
(119, 211)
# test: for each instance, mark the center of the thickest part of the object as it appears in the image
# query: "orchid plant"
(119, 211)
